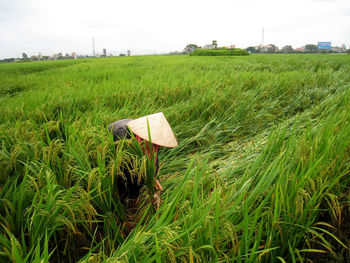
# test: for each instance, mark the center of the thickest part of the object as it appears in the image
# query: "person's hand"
(158, 187)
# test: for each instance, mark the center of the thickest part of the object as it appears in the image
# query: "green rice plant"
(260, 173)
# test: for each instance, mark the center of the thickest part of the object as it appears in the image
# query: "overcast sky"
(52, 26)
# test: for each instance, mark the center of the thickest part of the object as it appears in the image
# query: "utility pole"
(93, 46)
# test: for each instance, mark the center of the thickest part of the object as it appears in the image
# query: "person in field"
(161, 136)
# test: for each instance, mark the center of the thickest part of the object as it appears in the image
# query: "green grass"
(261, 173)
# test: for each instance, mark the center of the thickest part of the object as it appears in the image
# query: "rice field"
(261, 173)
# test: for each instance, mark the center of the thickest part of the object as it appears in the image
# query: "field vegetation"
(261, 173)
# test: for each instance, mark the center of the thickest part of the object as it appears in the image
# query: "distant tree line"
(270, 49)
(219, 52)
(309, 48)
(59, 56)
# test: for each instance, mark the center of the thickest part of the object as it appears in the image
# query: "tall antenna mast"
(93, 46)
(262, 42)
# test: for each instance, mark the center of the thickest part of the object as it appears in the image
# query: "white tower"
(93, 46)
(262, 40)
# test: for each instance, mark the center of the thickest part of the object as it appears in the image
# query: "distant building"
(287, 49)
(128, 53)
(210, 46)
(231, 47)
(343, 48)
(272, 48)
(336, 49)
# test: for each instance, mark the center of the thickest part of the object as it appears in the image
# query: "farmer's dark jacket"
(127, 189)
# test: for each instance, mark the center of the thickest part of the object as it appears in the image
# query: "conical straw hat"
(161, 132)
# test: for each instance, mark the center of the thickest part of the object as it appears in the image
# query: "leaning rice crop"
(261, 173)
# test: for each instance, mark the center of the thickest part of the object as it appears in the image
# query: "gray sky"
(52, 26)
